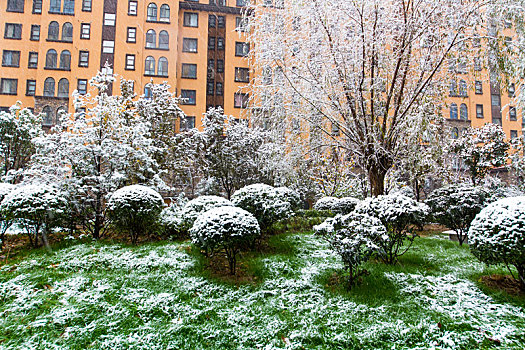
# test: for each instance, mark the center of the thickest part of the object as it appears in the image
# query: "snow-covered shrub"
(355, 238)
(497, 235)
(5, 223)
(227, 229)
(326, 203)
(398, 214)
(38, 208)
(135, 209)
(264, 202)
(455, 206)
(345, 205)
(199, 205)
(288, 195)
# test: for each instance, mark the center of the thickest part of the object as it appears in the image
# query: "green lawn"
(163, 296)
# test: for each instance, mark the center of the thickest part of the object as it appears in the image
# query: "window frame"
(246, 72)
(190, 40)
(2, 92)
(185, 76)
(31, 82)
(82, 53)
(131, 29)
(37, 7)
(17, 10)
(32, 54)
(32, 36)
(12, 52)
(187, 19)
(133, 11)
(189, 103)
(128, 57)
(85, 82)
(83, 35)
(244, 44)
(479, 107)
(245, 100)
(17, 29)
(86, 8)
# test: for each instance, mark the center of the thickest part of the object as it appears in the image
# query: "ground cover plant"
(157, 296)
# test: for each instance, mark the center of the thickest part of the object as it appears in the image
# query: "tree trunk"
(377, 181)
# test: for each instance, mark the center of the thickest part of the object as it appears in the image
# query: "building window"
(212, 21)
(189, 97)
(162, 69)
(51, 59)
(240, 100)
(83, 58)
(463, 112)
(69, 7)
(109, 19)
(149, 66)
(49, 87)
(67, 32)
(33, 60)
(495, 100)
(513, 134)
(512, 90)
(13, 31)
(513, 116)
(9, 86)
(30, 87)
(478, 87)
(242, 49)
(85, 31)
(164, 15)
(241, 3)
(35, 32)
(462, 88)
(37, 6)
(189, 71)
(164, 40)
(455, 133)
(53, 31)
(219, 89)
(453, 111)
(130, 62)
(220, 43)
(54, 6)
(477, 64)
(151, 39)
(15, 6)
(86, 5)
(242, 75)
(108, 46)
(189, 45)
(63, 88)
(11, 58)
(220, 66)
(191, 19)
(65, 60)
(479, 111)
(152, 12)
(241, 24)
(221, 22)
(211, 43)
(132, 8)
(189, 123)
(82, 86)
(132, 35)
(210, 88)
(48, 116)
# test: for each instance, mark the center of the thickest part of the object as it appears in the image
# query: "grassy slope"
(161, 296)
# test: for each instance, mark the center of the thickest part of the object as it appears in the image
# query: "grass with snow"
(160, 296)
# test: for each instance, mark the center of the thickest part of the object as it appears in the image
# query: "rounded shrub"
(497, 235)
(226, 229)
(191, 210)
(326, 203)
(399, 214)
(355, 238)
(264, 202)
(455, 206)
(345, 205)
(288, 195)
(38, 208)
(5, 189)
(135, 210)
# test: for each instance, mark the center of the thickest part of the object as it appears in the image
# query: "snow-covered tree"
(5, 222)
(96, 152)
(225, 228)
(38, 208)
(199, 205)
(497, 235)
(355, 238)
(135, 210)
(455, 206)
(399, 214)
(357, 69)
(18, 128)
(481, 149)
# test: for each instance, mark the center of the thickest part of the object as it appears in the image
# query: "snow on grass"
(152, 297)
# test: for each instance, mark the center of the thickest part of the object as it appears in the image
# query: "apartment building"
(52, 47)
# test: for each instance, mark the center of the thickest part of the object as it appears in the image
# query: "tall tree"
(362, 67)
